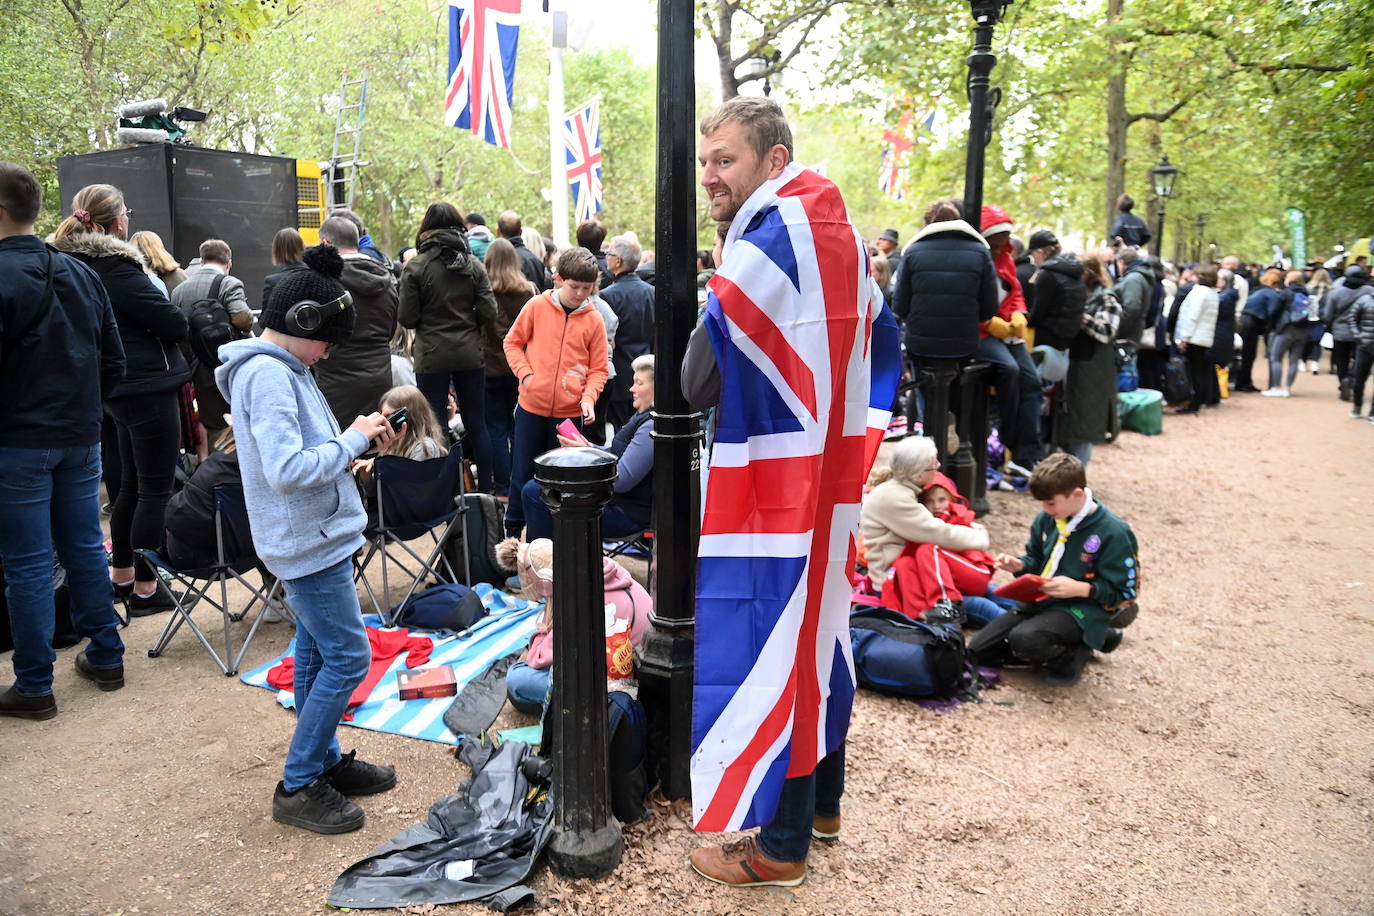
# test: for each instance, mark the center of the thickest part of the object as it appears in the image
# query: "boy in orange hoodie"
(557, 350)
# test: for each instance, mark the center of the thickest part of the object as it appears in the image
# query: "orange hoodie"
(566, 354)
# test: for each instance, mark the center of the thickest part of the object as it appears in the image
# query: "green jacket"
(1102, 551)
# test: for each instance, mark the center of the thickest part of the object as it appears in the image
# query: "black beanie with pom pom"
(318, 283)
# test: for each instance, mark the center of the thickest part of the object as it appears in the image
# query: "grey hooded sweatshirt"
(303, 504)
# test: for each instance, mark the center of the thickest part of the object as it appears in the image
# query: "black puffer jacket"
(1362, 319)
(358, 371)
(946, 287)
(446, 297)
(149, 326)
(1057, 313)
(1336, 306)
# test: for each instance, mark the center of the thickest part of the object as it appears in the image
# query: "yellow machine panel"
(310, 203)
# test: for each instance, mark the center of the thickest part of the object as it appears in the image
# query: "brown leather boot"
(741, 864)
(826, 829)
(22, 707)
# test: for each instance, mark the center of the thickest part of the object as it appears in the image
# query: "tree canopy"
(1262, 104)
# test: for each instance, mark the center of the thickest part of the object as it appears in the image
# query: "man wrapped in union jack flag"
(800, 358)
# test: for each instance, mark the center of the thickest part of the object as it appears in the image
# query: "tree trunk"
(1117, 123)
(725, 14)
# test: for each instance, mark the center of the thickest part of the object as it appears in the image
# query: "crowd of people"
(118, 358)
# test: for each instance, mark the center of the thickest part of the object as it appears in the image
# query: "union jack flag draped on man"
(809, 361)
(582, 144)
(482, 40)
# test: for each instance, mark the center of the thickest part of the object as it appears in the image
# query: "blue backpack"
(441, 607)
(908, 658)
(1300, 312)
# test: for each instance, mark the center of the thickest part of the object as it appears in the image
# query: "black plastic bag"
(476, 842)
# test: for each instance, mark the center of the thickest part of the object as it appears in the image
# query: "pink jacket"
(631, 603)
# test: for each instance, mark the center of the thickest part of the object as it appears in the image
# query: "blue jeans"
(788, 837)
(332, 658)
(51, 497)
(1018, 398)
(528, 688)
(534, 435)
(615, 521)
(470, 390)
(502, 394)
(982, 611)
(1292, 340)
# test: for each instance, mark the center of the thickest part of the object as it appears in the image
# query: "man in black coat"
(61, 355)
(1059, 296)
(509, 227)
(1129, 229)
(946, 287)
(632, 300)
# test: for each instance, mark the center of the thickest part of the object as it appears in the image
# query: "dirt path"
(1219, 762)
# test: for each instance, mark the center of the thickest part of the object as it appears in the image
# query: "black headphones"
(305, 317)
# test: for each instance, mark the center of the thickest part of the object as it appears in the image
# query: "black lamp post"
(1201, 228)
(982, 102)
(666, 655)
(1163, 176)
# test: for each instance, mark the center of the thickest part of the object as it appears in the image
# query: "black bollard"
(576, 485)
(935, 376)
(970, 463)
(976, 375)
(665, 658)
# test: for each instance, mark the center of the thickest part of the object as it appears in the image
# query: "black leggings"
(149, 428)
(1034, 639)
(1364, 361)
(1201, 374)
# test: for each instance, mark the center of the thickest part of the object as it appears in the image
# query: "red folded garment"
(1023, 588)
(386, 645)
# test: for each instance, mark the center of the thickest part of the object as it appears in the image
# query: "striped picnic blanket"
(507, 628)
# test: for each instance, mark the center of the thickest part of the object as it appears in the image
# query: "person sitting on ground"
(902, 536)
(557, 349)
(972, 569)
(1090, 561)
(630, 510)
(529, 680)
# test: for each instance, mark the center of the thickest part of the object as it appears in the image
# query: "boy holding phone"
(557, 349)
(1089, 561)
(307, 521)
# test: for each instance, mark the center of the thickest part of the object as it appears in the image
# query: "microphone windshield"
(142, 109)
(140, 135)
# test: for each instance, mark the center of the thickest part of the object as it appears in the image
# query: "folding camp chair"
(414, 498)
(234, 556)
(640, 541)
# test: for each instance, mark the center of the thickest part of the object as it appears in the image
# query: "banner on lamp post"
(1297, 233)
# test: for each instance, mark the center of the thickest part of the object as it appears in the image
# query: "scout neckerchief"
(1067, 528)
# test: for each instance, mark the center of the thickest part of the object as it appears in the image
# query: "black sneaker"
(104, 678)
(351, 776)
(1067, 669)
(22, 707)
(318, 807)
(1111, 640)
(147, 605)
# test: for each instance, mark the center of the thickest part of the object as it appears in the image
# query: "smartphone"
(398, 416)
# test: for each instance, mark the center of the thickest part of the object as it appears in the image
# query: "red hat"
(995, 219)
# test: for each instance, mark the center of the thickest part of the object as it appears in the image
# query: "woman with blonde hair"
(144, 406)
(1194, 332)
(160, 262)
(420, 436)
(512, 290)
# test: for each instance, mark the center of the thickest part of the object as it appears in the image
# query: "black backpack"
(909, 658)
(210, 326)
(484, 525)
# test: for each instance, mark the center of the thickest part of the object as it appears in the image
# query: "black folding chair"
(414, 498)
(640, 541)
(234, 556)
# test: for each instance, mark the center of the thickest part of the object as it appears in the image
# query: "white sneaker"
(1271, 393)
(1285, 393)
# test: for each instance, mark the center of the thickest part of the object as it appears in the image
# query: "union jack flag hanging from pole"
(897, 147)
(482, 40)
(582, 143)
(809, 359)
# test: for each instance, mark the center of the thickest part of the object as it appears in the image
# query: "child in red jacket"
(557, 350)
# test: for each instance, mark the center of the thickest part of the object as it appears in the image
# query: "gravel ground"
(1219, 762)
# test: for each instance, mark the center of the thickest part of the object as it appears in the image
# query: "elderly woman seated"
(924, 549)
(631, 508)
